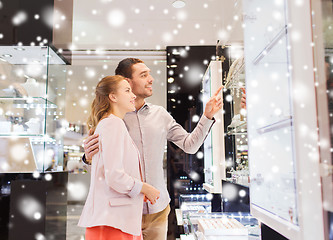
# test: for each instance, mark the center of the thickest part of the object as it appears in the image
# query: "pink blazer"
(114, 197)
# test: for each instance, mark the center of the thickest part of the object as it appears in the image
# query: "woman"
(113, 209)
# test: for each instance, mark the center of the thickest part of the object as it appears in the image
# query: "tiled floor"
(73, 214)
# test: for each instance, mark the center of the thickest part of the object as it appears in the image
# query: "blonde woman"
(113, 209)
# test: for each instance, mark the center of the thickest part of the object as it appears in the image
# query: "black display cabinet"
(33, 206)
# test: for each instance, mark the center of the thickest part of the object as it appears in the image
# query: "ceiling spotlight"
(178, 4)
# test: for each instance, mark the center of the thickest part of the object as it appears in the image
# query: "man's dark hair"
(124, 67)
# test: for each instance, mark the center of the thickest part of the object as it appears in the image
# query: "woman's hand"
(151, 193)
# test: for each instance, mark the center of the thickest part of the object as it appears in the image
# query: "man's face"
(141, 81)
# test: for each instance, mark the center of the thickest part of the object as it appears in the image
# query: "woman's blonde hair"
(101, 106)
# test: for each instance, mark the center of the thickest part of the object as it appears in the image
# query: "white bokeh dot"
(48, 177)
(36, 174)
(19, 18)
(39, 236)
(242, 193)
(116, 18)
(37, 215)
(195, 118)
(200, 155)
(228, 98)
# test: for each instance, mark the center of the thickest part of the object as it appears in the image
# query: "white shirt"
(150, 128)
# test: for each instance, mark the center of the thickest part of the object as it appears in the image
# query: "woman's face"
(125, 97)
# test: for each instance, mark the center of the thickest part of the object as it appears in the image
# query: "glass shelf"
(29, 102)
(271, 44)
(238, 130)
(14, 135)
(25, 116)
(281, 123)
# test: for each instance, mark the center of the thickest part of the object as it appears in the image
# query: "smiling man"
(150, 127)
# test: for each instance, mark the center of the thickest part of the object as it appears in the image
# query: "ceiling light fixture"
(178, 4)
(7, 55)
(19, 49)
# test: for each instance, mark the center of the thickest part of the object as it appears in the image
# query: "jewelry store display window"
(32, 104)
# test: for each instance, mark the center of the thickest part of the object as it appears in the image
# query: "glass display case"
(272, 141)
(32, 102)
(324, 76)
(195, 203)
(225, 148)
(214, 154)
(198, 221)
(282, 120)
(227, 226)
(322, 34)
(237, 166)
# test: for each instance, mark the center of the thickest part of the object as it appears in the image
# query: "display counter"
(200, 223)
(213, 226)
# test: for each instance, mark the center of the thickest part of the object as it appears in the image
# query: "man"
(150, 127)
